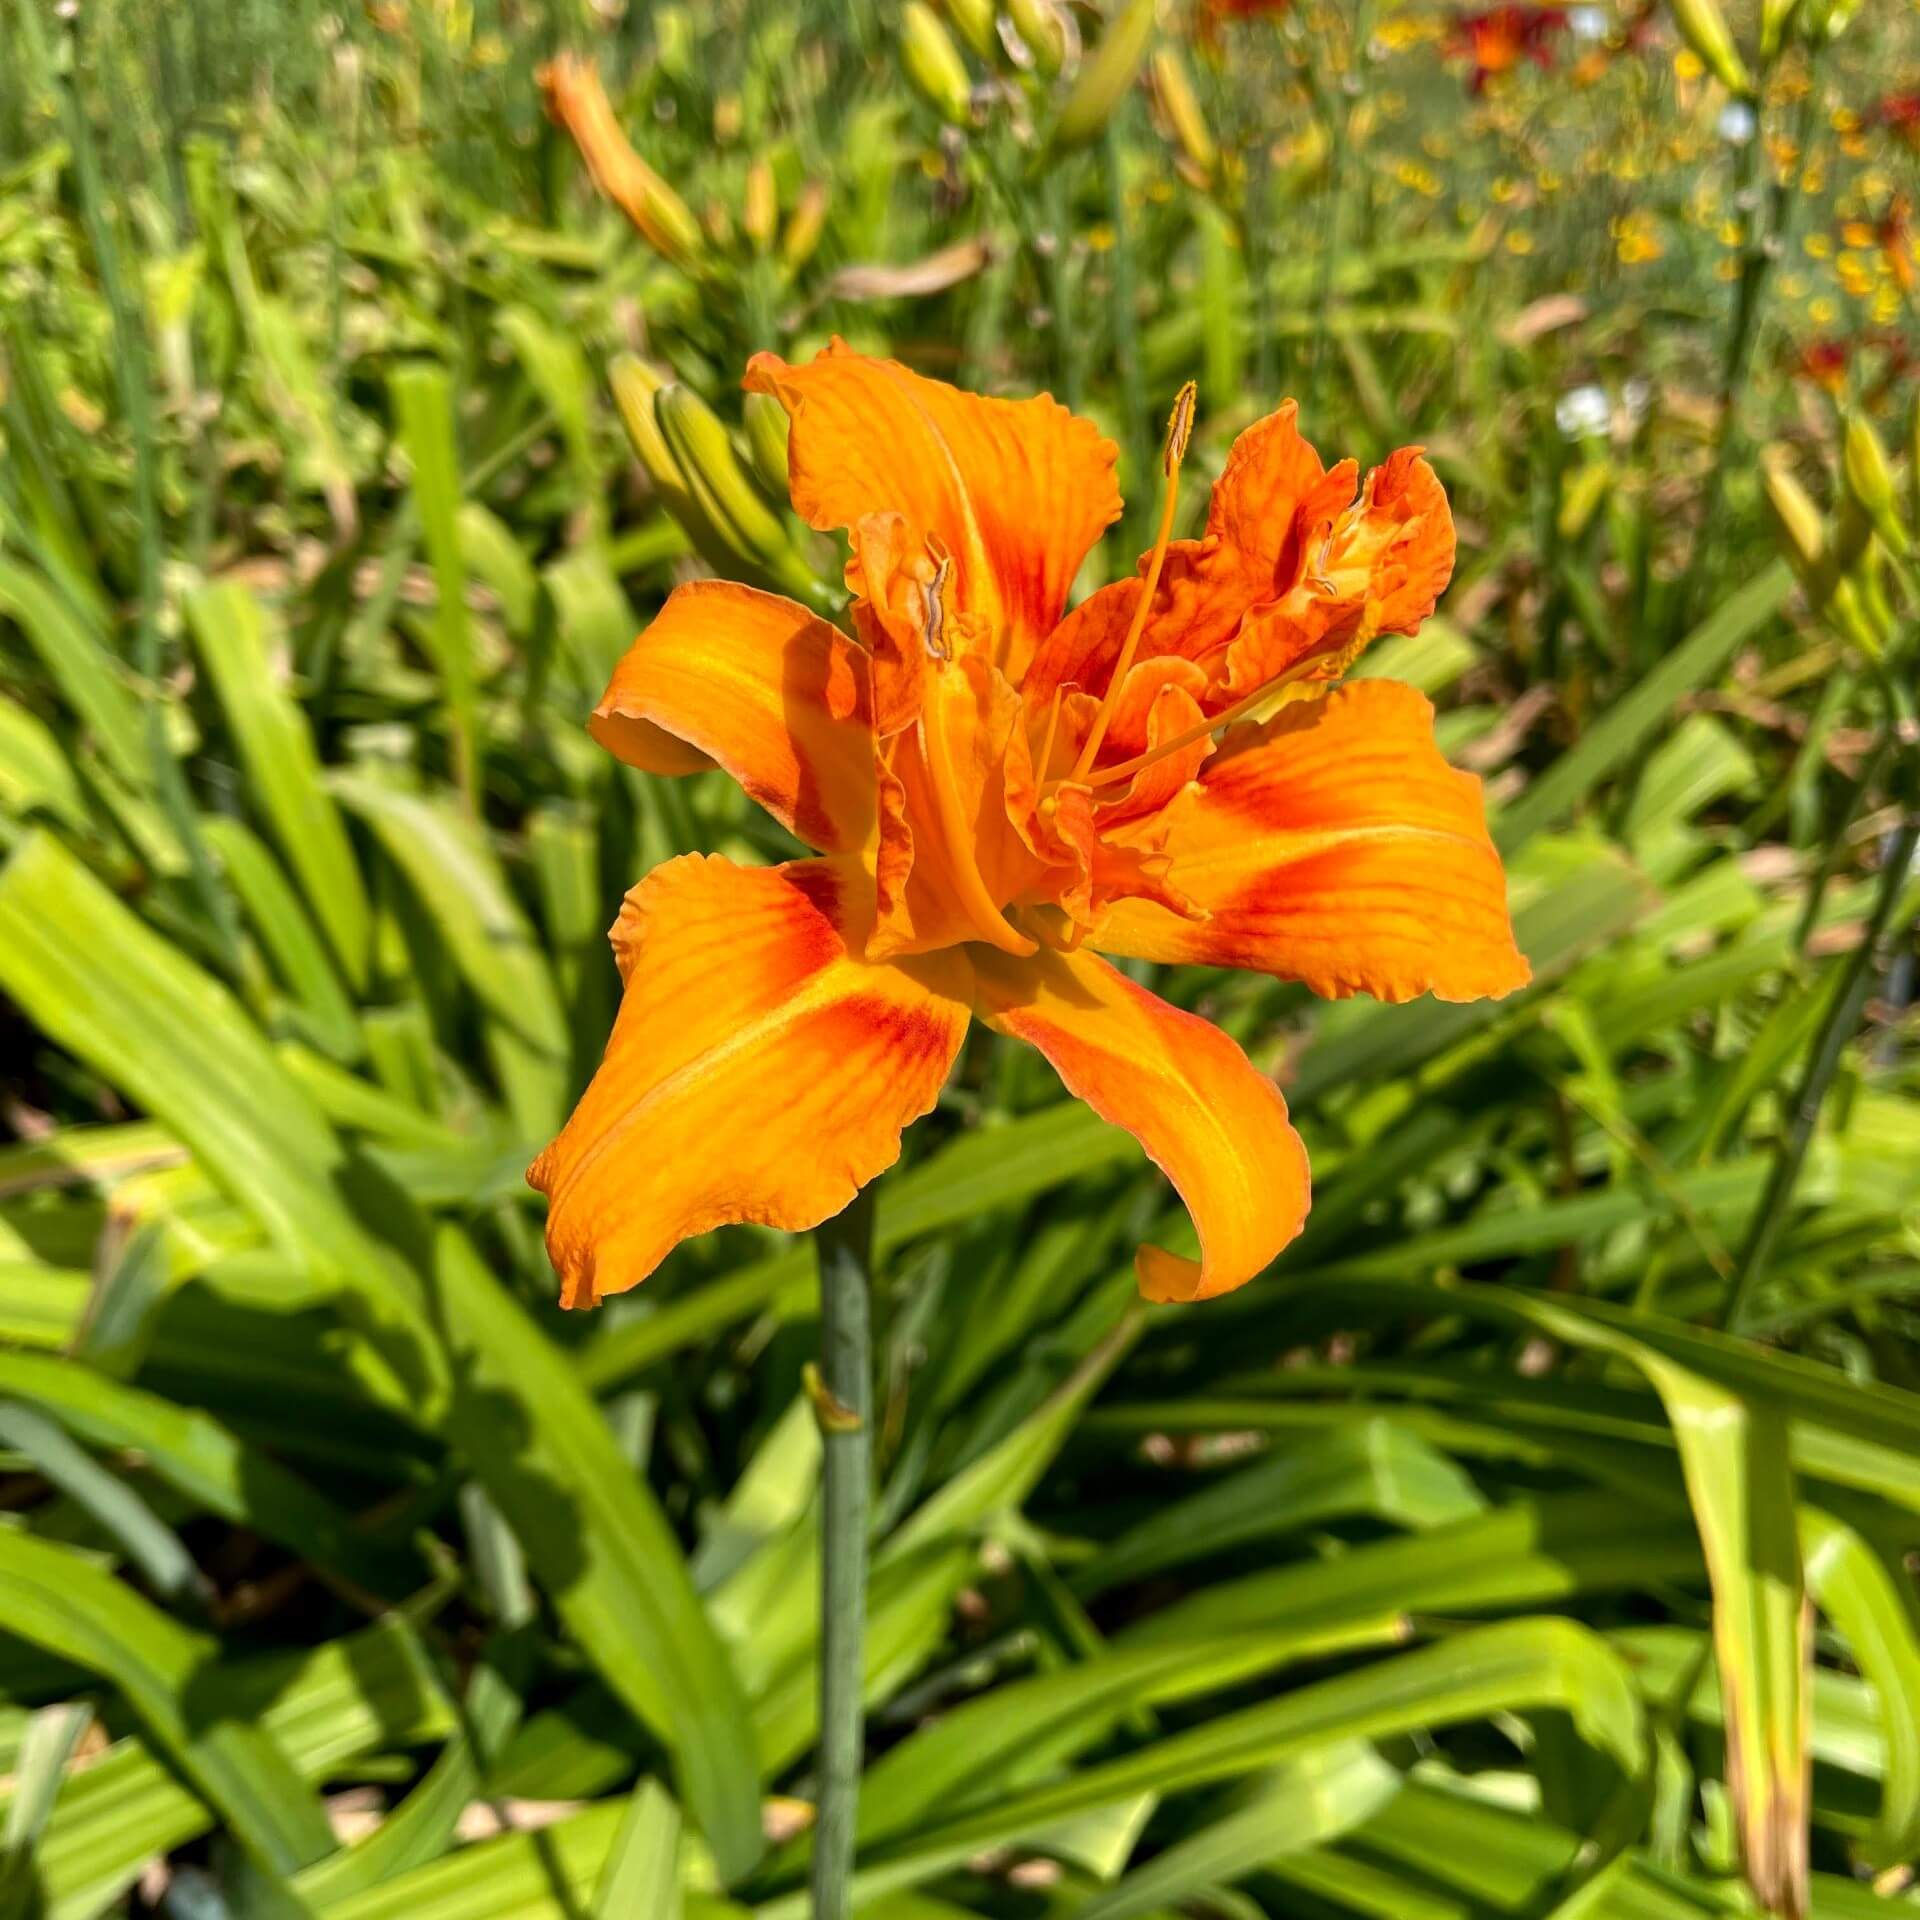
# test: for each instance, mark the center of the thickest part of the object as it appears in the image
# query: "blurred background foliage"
(1536, 1540)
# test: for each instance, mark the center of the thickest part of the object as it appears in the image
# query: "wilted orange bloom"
(1169, 772)
(1496, 39)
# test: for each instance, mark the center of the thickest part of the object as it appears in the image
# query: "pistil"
(1179, 432)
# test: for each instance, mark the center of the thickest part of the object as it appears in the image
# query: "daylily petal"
(1208, 1119)
(949, 856)
(758, 1070)
(768, 690)
(1335, 846)
(1386, 560)
(1018, 490)
(1293, 573)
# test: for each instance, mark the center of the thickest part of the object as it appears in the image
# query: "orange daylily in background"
(1496, 39)
(1169, 772)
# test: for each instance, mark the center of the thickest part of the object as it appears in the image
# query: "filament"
(1179, 432)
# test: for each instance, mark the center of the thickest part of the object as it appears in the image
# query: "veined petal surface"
(1335, 846)
(727, 674)
(759, 1070)
(1017, 490)
(1214, 1124)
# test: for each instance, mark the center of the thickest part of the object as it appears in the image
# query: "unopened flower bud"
(767, 428)
(933, 64)
(973, 21)
(1105, 76)
(1870, 482)
(1776, 16)
(735, 509)
(805, 224)
(760, 206)
(1045, 31)
(576, 100)
(1173, 88)
(1704, 28)
(1797, 521)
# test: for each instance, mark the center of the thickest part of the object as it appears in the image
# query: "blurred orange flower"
(1496, 39)
(1169, 773)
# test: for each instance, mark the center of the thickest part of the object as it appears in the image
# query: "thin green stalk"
(1835, 847)
(843, 1397)
(1767, 224)
(1126, 324)
(1253, 259)
(1337, 109)
(1066, 330)
(1861, 966)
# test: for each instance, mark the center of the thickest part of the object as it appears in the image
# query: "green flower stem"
(843, 1396)
(1862, 966)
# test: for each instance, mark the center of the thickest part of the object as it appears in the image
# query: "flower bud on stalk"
(973, 21)
(1796, 521)
(736, 510)
(766, 421)
(1870, 483)
(1704, 28)
(1105, 77)
(635, 387)
(1846, 612)
(1046, 30)
(576, 101)
(760, 207)
(1871, 580)
(805, 225)
(1581, 494)
(1827, 20)
(1776, 16)
(1173, 88)
(933, 65)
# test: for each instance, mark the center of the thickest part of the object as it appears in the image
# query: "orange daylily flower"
(1170, 772)
(1496, 39)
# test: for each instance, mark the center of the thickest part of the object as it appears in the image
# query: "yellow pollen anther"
(1179, 432)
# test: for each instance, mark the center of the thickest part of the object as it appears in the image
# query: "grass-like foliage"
(1534, 1539)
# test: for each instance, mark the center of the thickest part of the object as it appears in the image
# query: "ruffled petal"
(1208, 1119)
(1336, 846)
(759, 1070)
(764, 688)
(1017, 490)
(950, 857)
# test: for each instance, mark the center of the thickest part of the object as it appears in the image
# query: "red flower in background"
(1215, 14)
(1824, 362)
(1901, 112)
(1496, 39)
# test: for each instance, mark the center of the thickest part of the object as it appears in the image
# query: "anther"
(934, 631)
(1179, 429)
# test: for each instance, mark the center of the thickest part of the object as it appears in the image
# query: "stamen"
(1111, 776)
(934, 632)
(1053, 727)
(1179, 432)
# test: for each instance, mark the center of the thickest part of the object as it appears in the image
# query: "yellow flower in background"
(1636, 240)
